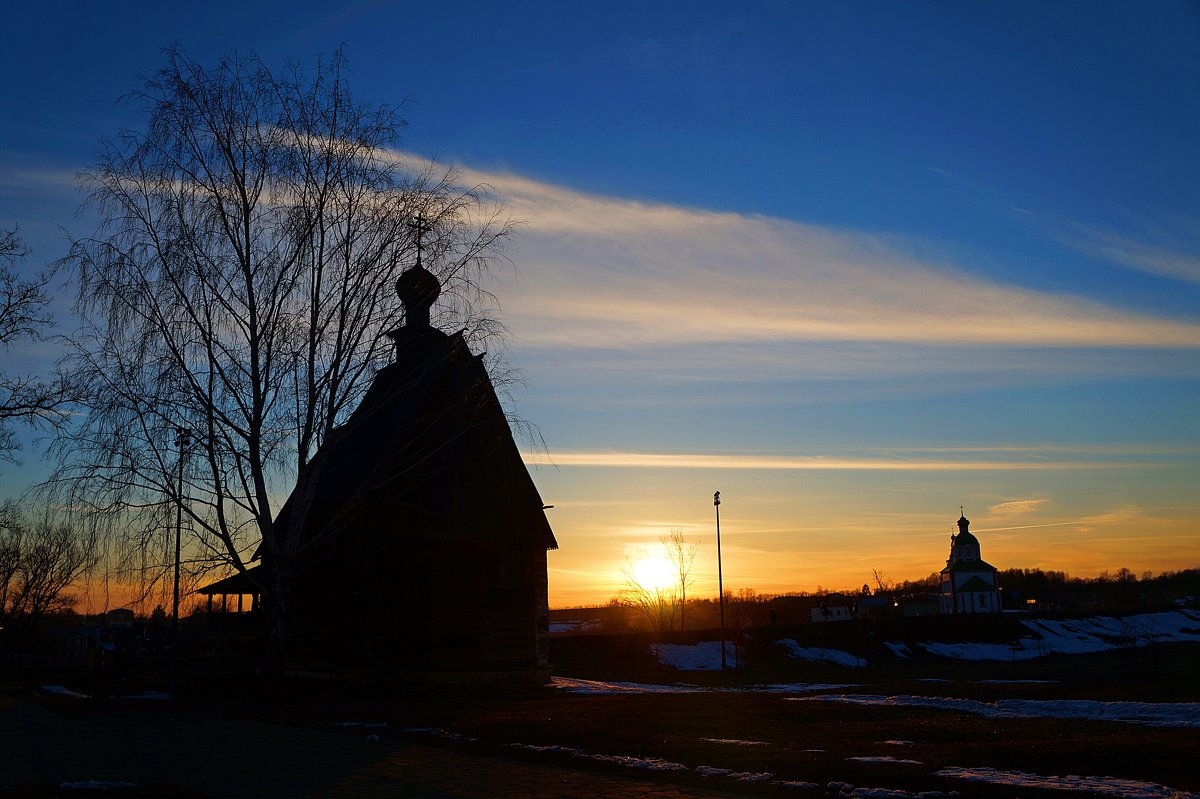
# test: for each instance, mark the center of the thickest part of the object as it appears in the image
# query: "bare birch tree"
(237, 287)
(681, 554)
(40, 558)
(24, 317)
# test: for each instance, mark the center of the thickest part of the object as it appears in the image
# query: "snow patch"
(62, 690)
(845, 789)
(821, 654)
(437, 732)
(899, 648)
(792, 688)
(574, 626)
(885, 759)
(1165, 714)
(371, 725)
(1107, 786)
(649, 763)
(704, 656)
(566, 750)
(1080, 636)
(596, 687)
(743, 776)
(734, 742)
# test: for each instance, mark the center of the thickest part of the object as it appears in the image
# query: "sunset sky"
(852, 264)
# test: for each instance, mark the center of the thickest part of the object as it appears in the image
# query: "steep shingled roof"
(427, 455)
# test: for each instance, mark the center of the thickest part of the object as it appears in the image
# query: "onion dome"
(964, 536)
(418, 290)
(417, 287)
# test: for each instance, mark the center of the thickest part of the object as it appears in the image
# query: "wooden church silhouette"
(423, 545)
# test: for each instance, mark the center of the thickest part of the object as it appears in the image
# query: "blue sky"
(859, 262)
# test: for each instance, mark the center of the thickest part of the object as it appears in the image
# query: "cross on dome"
(417, 287)
(422, 226)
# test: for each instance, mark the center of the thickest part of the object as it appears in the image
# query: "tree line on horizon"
(661, 610)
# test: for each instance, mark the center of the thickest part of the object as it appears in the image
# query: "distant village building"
(968, 582)
(919, 605)
(424, 540)
(834, 607)
(120, 616)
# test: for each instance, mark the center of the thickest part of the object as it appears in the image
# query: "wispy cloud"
(60, 182)
(1017, 507)
(1169, 262)
(621, 275)
(603, 272)
(793, 462)
(1173, 254)
(1079, 449)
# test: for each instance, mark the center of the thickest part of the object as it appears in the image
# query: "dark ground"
(223, 739)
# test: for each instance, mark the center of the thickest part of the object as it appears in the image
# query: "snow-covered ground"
(821, 654)
(577, 686)
(1157, 714)
(582, 626)
(704, 656)
(1106, 786)
(1079, 636)
(61, 690)
(1048, 637)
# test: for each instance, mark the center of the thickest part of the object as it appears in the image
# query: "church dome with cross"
(969, 583)
(417, 287)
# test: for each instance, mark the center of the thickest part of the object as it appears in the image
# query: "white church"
(968, 582)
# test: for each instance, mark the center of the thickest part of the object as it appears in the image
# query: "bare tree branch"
(24, 318)
(681, 554)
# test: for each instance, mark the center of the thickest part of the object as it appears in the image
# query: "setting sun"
(653, 571)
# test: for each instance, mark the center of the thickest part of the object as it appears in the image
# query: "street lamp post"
(720, 580)
(182, 439)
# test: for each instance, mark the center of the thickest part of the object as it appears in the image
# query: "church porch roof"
(969, 566)
(976, 584)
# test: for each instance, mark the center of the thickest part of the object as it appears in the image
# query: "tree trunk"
(275, 632)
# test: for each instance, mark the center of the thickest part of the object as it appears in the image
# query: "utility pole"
(182, 439)
(720, 580)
